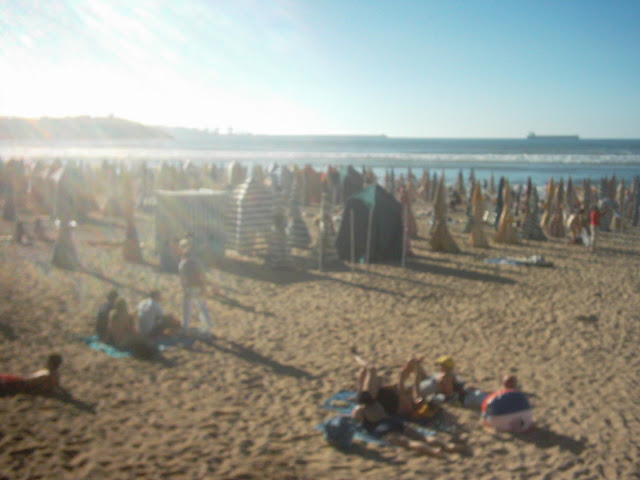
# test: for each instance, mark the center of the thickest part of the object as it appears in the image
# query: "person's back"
(190, 273)
(120, 324)
(149, 313)
(102, 317)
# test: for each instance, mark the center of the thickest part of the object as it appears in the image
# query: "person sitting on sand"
(442, 385)
(152, 321)
(373, 417)
(42, 382)
(123, 335)
(102, 318)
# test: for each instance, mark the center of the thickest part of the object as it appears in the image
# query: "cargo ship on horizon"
(533, 136)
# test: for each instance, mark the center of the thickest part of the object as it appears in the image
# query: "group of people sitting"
(385, 408)
(136, 332)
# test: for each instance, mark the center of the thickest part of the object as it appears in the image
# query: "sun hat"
(446, 362)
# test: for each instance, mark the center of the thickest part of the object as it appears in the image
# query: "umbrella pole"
(352, 242)
(404, 238)
(369, 231)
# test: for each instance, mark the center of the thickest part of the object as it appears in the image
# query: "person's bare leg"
(369, 381)
(446, 446)
(415, 445)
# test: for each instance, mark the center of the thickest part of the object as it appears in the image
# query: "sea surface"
(515, 159)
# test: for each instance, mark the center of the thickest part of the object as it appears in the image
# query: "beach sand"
(247, 406)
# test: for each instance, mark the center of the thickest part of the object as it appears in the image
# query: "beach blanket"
(344, 402)
(163, 343)
(94, 342)
(532, 261)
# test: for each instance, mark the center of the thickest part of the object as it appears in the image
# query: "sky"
(455, 69)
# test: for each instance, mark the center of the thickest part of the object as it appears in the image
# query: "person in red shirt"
(43, 382)
(594, 218)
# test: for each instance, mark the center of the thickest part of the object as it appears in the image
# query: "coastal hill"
(76, 128)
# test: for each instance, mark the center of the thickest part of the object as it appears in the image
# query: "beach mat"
(94, 342)
(344, 402)
(163, 343)
(532, 261)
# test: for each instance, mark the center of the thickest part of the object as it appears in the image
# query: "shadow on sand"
(543, 437)
(66, 397)
(251, 356)
(113, 282)
(256, 271)
(420, 266)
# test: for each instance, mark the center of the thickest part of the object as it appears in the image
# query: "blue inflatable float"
(508, 411)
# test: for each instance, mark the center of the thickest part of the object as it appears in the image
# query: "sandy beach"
(247, 406)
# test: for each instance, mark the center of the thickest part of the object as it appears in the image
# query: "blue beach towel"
(344, 402)
(534, 261)
(163, 343)
(94, 342)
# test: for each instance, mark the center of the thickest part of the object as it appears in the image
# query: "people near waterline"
(42, 382)
(575, 225)
(192, 279)
(20, 234)
(152, 321)
(594, 222)
(377, 422)
(102, 318)
(39, 231)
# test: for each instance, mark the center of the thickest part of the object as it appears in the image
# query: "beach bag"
(339, 431)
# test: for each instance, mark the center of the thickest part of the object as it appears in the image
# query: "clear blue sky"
(402, 68)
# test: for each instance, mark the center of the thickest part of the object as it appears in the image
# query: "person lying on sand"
(378, 423)
(397, 398)
(43, 382)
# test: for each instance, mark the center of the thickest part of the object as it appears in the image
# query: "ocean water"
(515, 159)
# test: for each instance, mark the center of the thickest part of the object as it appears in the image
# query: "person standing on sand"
(192, 279)
(594, 218)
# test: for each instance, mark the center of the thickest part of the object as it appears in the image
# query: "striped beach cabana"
(200, 213)
(249, 217)
(297, 230)
(279, 251)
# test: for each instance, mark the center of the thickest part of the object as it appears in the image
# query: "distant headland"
(533, 136)
(76, 128)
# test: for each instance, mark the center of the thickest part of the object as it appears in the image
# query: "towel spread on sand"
(534, 260)
(344, 402)
(163, 343)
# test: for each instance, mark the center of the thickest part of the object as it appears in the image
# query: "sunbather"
(43, 382)
(373, 417)
(397, 398)
(123, 335)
